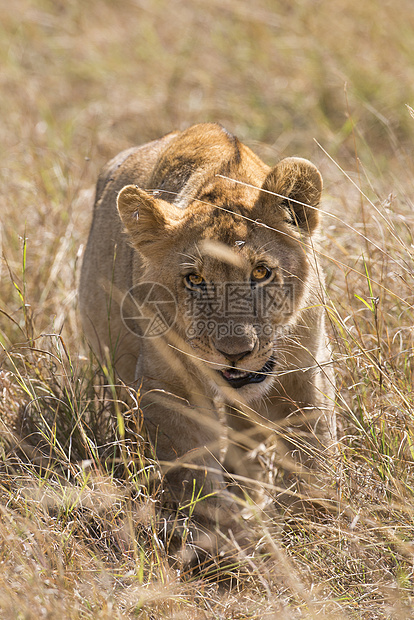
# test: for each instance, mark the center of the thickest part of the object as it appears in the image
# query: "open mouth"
(237, 378)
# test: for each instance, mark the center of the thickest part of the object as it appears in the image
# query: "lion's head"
(233, 251)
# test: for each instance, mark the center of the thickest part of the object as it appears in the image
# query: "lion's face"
(237, 299)
(236, 261)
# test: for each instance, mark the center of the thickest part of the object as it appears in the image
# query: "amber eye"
(261, 273)
(194, 279)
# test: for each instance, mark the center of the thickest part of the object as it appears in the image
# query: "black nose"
(234, 357)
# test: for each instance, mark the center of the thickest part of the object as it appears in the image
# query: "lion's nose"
(234, 357)
(235, 348)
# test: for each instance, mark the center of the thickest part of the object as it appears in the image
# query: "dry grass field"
(80, 534)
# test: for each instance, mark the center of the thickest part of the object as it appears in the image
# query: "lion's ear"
(296, 186)
(147, 220)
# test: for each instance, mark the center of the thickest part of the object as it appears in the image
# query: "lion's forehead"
(231, 190)
(230, 230)
(241, 236)
(230, 224)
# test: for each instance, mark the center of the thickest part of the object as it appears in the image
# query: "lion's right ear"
(147, 220)
(294, 186)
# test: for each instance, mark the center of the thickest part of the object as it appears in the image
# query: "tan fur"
(178, 215)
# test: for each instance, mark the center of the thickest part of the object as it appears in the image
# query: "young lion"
(201, 279)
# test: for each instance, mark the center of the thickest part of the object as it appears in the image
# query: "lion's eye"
(261, 273)
(193, 280)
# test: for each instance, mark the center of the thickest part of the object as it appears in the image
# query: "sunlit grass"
(81, 532)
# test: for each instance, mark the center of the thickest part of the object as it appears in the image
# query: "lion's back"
(106, 272)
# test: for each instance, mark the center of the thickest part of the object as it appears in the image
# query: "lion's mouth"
(238, 378)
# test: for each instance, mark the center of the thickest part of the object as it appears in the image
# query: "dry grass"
(80, 533)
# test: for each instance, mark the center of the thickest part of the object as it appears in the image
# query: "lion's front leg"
(188, 443)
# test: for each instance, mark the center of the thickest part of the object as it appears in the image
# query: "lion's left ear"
(147, 220)
(298, 185)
